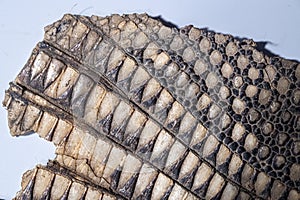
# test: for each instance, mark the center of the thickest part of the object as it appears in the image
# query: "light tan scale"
(49, 183)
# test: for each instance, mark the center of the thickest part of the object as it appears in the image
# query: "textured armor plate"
(139, 109)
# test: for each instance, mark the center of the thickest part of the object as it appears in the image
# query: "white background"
(21, 27)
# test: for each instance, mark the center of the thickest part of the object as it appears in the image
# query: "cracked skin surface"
(139, 109)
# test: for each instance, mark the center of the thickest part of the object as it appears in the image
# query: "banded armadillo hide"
(138, 109)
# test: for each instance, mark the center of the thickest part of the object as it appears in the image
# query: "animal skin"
(140, 109)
